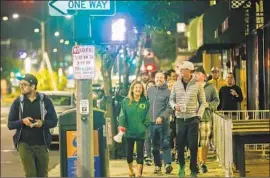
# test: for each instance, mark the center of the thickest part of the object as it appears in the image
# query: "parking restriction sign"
(83, 58)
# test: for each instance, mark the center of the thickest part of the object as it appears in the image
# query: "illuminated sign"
(119, 30)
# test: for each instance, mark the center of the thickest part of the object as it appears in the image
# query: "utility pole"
(85, 121)
(42, 26)
(119, 68)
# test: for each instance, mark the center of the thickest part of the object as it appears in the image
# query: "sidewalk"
(118, 168)
(258, 167)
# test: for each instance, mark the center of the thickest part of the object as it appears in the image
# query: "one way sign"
(93, 7)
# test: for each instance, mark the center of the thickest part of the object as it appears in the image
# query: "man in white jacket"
(188, 100)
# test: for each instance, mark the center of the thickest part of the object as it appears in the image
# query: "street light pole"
(44, 55)
(42, 26)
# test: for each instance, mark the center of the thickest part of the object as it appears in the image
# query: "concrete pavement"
(255, 166)
(10, 159)
(118, 168)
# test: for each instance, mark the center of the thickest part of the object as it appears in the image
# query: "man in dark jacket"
(32, 115)
(230, 95)
(158, 96)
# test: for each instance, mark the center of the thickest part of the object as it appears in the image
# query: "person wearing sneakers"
(172, 77)
(159, 112)
(188, 100)
(134, 120)
(148, 146)
(212, 100)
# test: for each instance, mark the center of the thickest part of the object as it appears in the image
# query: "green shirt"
(134, 117)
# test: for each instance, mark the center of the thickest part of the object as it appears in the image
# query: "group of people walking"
(165, 117)
(170, 115)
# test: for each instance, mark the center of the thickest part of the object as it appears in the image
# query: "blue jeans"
(161, 142)
(148, 145)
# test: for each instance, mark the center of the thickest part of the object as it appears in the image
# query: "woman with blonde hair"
(133, 119)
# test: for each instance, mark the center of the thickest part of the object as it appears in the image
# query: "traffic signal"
(28, 1)
(149, 68)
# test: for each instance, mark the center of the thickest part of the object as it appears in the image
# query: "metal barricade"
(263, 149)
(246, 114)
(223, 142)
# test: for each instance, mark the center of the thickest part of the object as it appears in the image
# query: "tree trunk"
(140, 57)
(126, 76)
(106, 73)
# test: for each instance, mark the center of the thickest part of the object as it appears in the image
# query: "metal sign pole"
(85, 164)
(85, 146)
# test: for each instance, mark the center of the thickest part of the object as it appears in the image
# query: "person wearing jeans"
(161, 142)
(159, 112)
(148, 141)
(188, 100)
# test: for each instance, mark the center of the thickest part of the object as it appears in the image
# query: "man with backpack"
(32, 114)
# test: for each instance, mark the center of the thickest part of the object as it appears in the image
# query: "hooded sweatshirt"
(212, 99)
(134, 117)
(193, 97)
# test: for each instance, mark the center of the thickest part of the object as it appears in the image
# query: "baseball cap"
(214, 69)
(200, 69)
(187, 65)
(29, 78)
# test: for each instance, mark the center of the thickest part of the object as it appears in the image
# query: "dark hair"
(200, 69)
(163, 72)
(150, 81)
(169, 72)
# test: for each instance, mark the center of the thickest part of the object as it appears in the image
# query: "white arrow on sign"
(64, 6)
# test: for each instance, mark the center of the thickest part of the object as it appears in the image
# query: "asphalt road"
(10, 161)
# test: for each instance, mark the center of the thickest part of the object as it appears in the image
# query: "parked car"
(62, 101)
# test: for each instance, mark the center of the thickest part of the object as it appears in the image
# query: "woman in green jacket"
(133, 118)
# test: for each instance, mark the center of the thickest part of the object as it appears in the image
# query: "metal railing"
(246, 114)
(223, 142)
(223, 125)
(250, 115)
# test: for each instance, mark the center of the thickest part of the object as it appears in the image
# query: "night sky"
(23, 28)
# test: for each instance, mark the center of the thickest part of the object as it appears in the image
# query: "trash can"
(68, 143)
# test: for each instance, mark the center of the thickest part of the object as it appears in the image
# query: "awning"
(195, 59)
(217, 47)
